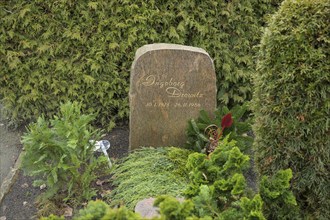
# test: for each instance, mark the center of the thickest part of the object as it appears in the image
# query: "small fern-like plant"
(58, 153)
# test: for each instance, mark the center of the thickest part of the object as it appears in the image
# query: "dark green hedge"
(54, 51)
(292, 102)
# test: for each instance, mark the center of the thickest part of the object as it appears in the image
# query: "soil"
(19, 203)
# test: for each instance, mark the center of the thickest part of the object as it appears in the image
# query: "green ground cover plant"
(291, 102)
(149, 172)
(58, 153)
(52, 52)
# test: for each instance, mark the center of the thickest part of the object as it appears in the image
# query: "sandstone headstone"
(169, 85)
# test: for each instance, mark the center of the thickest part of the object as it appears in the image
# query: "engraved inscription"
(187, 104)
(177, 93)
(151, 81)
(173, 89)
(175, 105)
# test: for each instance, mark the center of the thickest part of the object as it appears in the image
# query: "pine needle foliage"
(148, 172)
(52, 52)
(291, 102)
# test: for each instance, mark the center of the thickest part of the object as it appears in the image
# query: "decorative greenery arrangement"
(214, 132)
(205, 132)
(149, 172)
(291, 102)
(52, 52)
(59, 154)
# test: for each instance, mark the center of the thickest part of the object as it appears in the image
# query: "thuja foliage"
(227, 160)
(291, 101)
(58, 153)
(280, 203)
(149, 172)
(51, 52)
(172, 208)
(94, 210)
(198, 130)
(99, 210)
(53, 217)
(218, 187)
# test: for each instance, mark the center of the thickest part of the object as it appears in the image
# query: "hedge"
(292, 102)
(55, 51)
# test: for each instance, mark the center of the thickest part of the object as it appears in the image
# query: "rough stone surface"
(169, 85)
(146, 208)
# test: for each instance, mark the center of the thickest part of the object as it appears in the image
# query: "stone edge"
(167, 46)
(148, 48)
(10, 178)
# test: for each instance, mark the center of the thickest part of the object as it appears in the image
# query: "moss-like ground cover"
(149, 172)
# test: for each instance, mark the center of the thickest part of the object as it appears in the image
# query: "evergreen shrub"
(52, 52)
(53, 217)
(219, 189)
(94, 210)
(292, 102)
(99, 210)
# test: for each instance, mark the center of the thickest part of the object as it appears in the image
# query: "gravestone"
(169, 85)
